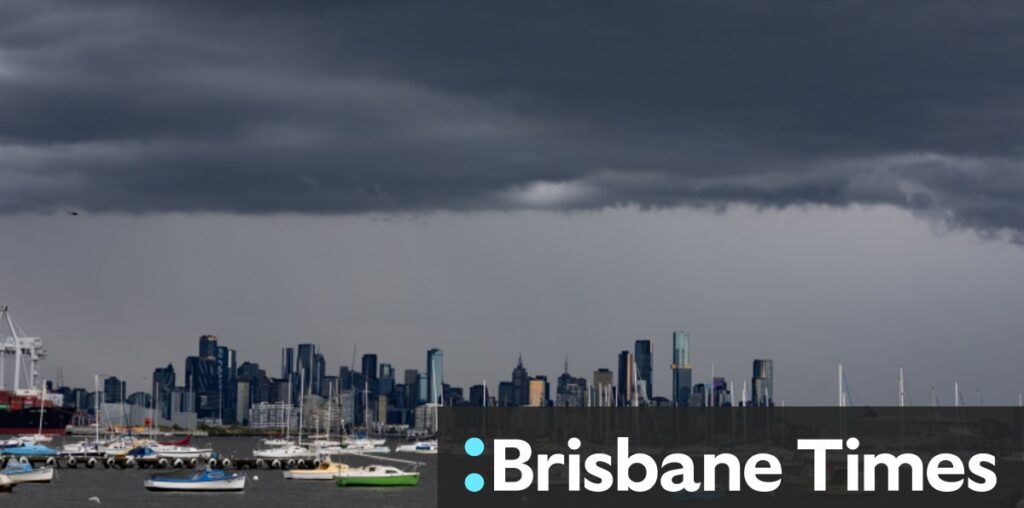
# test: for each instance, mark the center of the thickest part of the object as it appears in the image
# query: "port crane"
(26, 351)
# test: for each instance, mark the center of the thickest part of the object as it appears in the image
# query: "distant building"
(602, 393)
(478, 396)
(507, 394)
(538, 392)
(164, 381)
(627, 391)
(762, 384)
(113, 390)
(520, 385)
(435, 375)
(643, 351)
(287, 362)
(370, 373)
(571, 391)
(682, 373)
(273, 416)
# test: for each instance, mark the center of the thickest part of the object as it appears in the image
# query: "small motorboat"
(366, 446)
(201, 480)
(18, 472)
(423, 447)
(326, 471)
(5, 483)
(29, 450)
(378, 476)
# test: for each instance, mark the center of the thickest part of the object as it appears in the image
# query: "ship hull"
(26, 421)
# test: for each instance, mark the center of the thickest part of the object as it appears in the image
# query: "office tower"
(227, 369)
(602, 393)
(682, 374)
(435, 375)
(626, 388)
(164, 380)
(345, 378)
(507, 394)
(386, 379)
(537, 392)
(571, 391)
(207, 346)
(422, 388)
(719, 393)
(287, 362)
(761, 384)
(317, 376)
(520, 384)
(304, 366)
(478, 396)
(369, 372)
(643, 354)
(698, 397)
(114, 390)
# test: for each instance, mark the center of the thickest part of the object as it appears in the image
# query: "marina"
(122, 482)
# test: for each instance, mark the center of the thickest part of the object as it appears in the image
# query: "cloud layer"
(407, 107)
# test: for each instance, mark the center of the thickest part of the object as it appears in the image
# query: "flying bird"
(94, 499)
(72, 212)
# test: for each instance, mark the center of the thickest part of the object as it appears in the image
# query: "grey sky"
(472, 175)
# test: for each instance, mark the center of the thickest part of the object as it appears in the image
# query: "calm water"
(264, 487)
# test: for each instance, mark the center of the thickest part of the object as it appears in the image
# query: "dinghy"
(202, 480)
(17, 472)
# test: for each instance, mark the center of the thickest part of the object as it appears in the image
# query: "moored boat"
(17, 472)
(5, 483)
(284, 453)
(423, 447)
(202, 480)
(29, 450)
(378, 476)
(326, 471)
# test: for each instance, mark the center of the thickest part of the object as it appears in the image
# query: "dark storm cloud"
(394, 107)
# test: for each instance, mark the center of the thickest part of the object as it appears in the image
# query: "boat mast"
(302, 395)
(902, 389)
(96, 404)
(42, 405)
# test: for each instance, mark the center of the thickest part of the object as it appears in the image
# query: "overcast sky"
(813, 183)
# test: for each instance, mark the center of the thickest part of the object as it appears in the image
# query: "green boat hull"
(405, 480)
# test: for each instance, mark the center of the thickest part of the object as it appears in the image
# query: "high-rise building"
(318, 374)
(537, 394)
(287, 362)
(643, 354)
(682, 385)
(626, 388)
(478, 396)
(207, 346)
(762, 383)
(164, 380)
(386, 380)
(603, 390)
(305, 366)
(682, 374)
(571, 391)
(520, 384)
(370, 373)
(114, 390)
(435, 375)
(422, 388)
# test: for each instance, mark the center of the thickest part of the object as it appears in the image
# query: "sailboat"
(39, 437)
(18, 472)
(378, 476)
(201, 480)
(361, 442)
(289, 450)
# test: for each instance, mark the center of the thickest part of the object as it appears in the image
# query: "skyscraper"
(626, 388)
(761, 384)
(287, 362)
(305, 365)
(520, 384)
(682, 374)
(435, 375)
(113, 390)
(603, 390)
(644, 352)
(164, 380)
(370, 373)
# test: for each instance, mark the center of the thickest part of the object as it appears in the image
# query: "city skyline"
(813, 186)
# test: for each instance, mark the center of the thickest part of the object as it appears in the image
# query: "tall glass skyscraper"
(626, 386)
(761, 384)
(682, 375)
(643, 350)
(435, 375)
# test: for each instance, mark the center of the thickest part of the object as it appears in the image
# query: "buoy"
(291, 463)
(316, 463)
(179, 463)
(302, 463)
(129, 462)
(91, 463)
(72, 462)
(276, 464)
(23, 460)
(193, 462)
(259, 462)
(51, 461)
(226, 463)
(161, 462)
(212, 463)
(110, 462)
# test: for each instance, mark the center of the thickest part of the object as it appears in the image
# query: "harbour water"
(101, 487)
